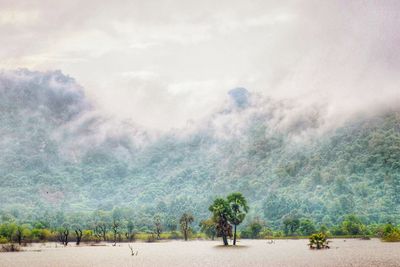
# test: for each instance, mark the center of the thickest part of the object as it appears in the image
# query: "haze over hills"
(60, 153)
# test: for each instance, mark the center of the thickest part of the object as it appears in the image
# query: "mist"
(169, 65)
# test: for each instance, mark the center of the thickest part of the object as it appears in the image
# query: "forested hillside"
(59, 155)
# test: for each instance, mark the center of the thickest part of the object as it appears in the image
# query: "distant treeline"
(112, 228)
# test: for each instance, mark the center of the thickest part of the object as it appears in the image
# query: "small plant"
(133, 253)
(318, 241)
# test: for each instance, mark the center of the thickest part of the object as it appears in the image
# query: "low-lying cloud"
(170, 65)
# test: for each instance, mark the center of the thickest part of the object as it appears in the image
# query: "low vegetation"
(391, 233)
(228, 221)
(318, 241)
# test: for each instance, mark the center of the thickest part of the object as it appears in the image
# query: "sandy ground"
(351, 252)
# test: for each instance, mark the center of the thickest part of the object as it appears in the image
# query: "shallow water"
(350, 252)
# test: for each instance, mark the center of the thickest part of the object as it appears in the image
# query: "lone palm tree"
(239, 209)
(221, 214)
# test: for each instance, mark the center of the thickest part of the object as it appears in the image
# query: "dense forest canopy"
(60, 156)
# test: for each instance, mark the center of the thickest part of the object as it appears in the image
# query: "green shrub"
(318, 241)
(391, 234)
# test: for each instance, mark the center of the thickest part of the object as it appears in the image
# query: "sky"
(169, 62)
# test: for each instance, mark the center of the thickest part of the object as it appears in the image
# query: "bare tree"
(115, 228)
(116, 223)
(158, 226)
(101, 224)
(101, 230)
(64, 233)
(78, 233)
(78, 221)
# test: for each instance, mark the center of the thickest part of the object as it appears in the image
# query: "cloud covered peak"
(240, 96)
(51, 93)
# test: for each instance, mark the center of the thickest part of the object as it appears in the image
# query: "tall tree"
(185, 222)
(239, 209)
(64, 233)
(221, 213)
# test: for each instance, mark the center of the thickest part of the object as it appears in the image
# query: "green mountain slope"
(59, 154)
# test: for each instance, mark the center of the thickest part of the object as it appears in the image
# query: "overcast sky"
(162, 63)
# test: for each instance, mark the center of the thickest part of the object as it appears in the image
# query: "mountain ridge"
(59, 154)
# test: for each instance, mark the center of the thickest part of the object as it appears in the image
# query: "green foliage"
(318, 241)
(221, 213)
(239, 208)
(323, 229)
(57, 159)
(40, 234)
(253, 229)
(8, 230)
(307, 227)
(391, 233)
(3, 240)
(291, 224)
(233, 210)
(208, 227)
(353, 225)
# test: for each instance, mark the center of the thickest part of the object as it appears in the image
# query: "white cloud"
(162, 63)
(15, 17)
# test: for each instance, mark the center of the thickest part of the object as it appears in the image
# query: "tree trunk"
(19, 238)
(66, 233)
(234, 235)
(186, 235)
(104, 235)
(225, 240)
(115, 232)
(78, 236)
